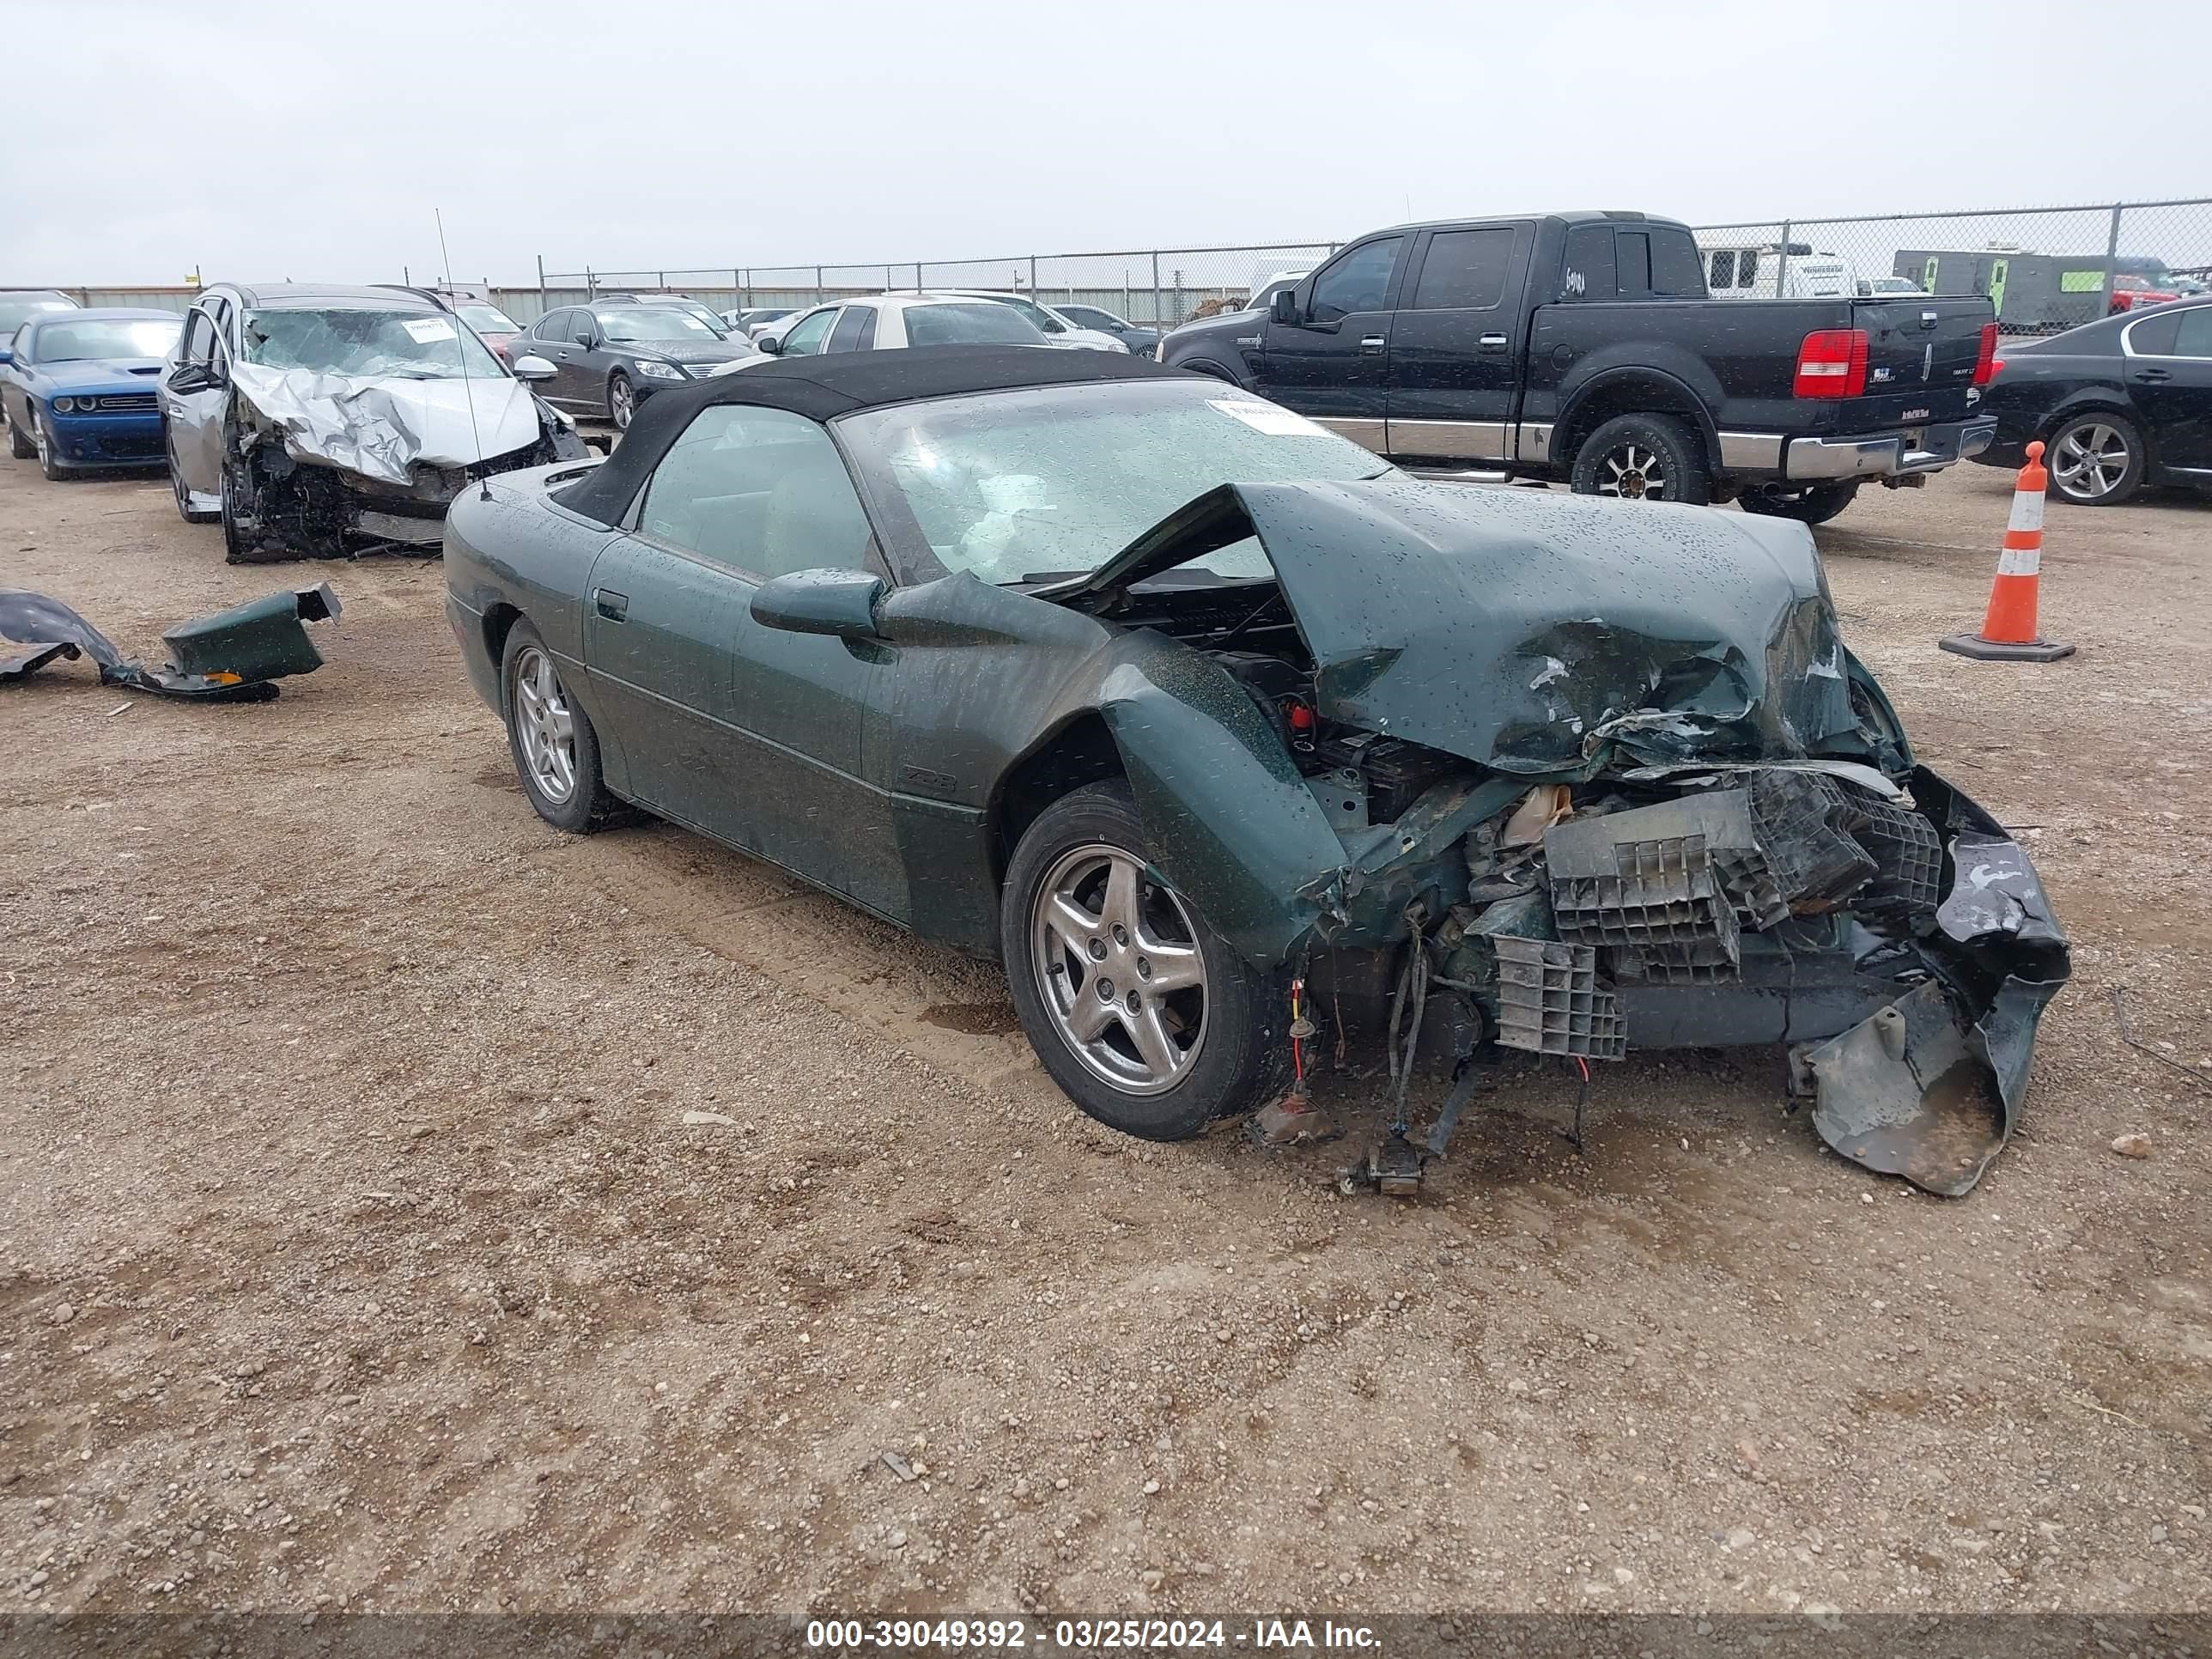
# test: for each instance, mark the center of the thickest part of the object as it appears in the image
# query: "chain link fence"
(2044, 268)
(1149, 286)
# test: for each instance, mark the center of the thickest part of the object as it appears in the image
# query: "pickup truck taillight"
(1985, 363)
(1831, 363)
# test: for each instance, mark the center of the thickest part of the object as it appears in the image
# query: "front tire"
(1652, 457)
(1145, 1019)
(42, 445)
(557, 752)
(1815, 504)
(2095, 459)
(244, 536)
(622, 400)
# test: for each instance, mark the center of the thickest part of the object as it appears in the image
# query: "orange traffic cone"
(2008, 630)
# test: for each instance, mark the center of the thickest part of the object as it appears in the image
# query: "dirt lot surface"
(353, 1249)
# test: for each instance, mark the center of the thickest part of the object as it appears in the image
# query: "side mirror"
(840, 602)
(192, 377)
(7, 356)
(534, 368)
(1284, 308)
(770, 344)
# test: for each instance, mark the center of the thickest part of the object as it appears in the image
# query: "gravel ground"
(356, 1252)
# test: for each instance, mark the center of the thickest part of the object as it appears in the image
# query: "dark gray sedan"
(609, 358)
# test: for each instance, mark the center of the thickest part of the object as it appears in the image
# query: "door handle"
(1372, 344)
(614, 606)
(1492, 343)
(2153, 374)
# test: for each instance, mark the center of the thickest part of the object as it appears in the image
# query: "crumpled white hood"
(379, 427)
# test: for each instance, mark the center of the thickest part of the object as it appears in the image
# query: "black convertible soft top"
(822, 387)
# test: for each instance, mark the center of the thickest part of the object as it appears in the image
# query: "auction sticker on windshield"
(428, 331)
(1270, 418)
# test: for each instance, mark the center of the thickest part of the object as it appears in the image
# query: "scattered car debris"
(230, 657)
(2131, 1145)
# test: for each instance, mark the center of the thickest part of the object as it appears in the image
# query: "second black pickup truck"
(1583, 347)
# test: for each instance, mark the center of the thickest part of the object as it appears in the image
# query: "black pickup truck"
(1583, 347)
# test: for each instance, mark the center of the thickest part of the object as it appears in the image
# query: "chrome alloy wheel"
(1118, 966)
(1633, 471)
(2090, 461)
(546, 726)
(622, 403)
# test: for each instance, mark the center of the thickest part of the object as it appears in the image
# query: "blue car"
(78, 390)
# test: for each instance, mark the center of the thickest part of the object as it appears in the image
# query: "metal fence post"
(888, 284)
(591, 284)
(1155, 288)
(818, 285)
(1781, 265)
(541, 285)
(1033, 286)
(917, 276)
(2111, 252)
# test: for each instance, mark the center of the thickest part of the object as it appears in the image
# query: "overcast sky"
(314, 140)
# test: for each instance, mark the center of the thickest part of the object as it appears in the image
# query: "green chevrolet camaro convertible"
(1171, 701)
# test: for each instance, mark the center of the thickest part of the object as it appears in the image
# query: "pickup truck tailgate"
(1920, 360)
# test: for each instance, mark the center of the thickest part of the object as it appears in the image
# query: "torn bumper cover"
(230, 657)
(1927, 1086)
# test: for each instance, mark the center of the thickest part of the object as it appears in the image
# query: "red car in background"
(2134, 293)
(492, 326)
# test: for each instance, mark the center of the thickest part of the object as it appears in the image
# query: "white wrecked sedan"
(317, 422)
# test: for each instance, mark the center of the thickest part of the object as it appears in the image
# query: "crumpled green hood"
(1543, 634)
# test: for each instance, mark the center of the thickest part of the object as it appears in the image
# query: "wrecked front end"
(329, 466)
(1597, 781)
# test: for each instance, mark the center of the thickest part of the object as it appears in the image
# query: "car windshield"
(655, 322)
(1054, 481)
(17, 309)
(977, 322)
(489, 319)
(416, 345)
(106, 336)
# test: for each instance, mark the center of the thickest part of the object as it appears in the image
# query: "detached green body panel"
(260, 640)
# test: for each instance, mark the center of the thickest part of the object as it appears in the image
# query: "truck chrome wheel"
(1633, 471)
(1119, 969)
(545, 727)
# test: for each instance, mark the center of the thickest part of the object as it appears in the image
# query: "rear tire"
(1654, 458)
(2095, 459)
(1066, 931)
(555, 748)
(19, 443)
(1815, 504)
